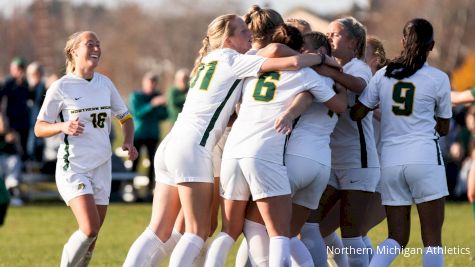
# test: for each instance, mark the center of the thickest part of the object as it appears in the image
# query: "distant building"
(316, 22)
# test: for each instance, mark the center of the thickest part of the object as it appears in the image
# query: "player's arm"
(338, 102)
(471, 179)
(128, 131)
(359, 111)
(285, 120)
(47, 129)
(464, 97)
(277, 50)
(350, 82)
(442, 126)
(296, 62)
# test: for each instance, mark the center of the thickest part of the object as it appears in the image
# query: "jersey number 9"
(403, 96)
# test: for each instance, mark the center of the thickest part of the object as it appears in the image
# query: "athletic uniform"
(308, 154)
(84, 161)
(253, 158)
(185, 155)
(355, 164)
(412, 165)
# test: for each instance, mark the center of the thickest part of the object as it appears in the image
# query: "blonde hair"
(262, 22)
(357, 31)
(303, 26)
(218, 31)
(72, 43)
(378, 50)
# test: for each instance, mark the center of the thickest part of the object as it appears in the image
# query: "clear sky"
(318, 6)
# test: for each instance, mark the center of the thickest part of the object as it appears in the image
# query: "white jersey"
(408, 110)
(214, 91)
(94, 102)
(310, 137)
(352, 143)
(264, 98)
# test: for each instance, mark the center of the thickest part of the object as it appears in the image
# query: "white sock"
(369, 246)
(313, 240)
(242, 256)
(86, 259)
(279, 251)
(218, 251)
(201, 258)
(334, 243)
(386, 252)
(146, 249)
(355, 248)
(186, 250)
(433, 257)
(299, 253)
(75, 249)
(171, 243)
(258, 243)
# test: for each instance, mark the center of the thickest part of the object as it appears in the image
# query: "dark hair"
(288, 35)
(418, 37)
(317, 40)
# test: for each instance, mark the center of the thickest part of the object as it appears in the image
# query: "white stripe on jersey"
(408, 111)
(352, 143)
(310, 137)
(213, 93)
(94, 102)
(252, 134)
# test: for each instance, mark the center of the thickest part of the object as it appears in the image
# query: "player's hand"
(326, 70)
(331, 62)
(283, 123)
(158, 101)
(72, 127)
(133, 153)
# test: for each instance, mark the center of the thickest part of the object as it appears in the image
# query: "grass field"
(33, 235)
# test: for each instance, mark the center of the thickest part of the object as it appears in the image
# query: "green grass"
(33, 235)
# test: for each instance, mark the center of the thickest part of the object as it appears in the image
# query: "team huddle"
(291, 133)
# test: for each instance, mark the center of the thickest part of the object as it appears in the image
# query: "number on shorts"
(206, 80)
(98, 119)
(403, 96)
(265, 86)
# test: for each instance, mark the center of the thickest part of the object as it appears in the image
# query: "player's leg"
(374, 216)
(431, 215)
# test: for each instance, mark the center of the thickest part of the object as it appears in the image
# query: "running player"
(414, 99)
(355, 167)
(253, 156)
(79, 106)
(215, 89)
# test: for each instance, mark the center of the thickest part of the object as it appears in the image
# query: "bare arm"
(338, 102)
(277, 50)
(47, 129)
(359, 111)
(463, 97)
(285, 120)
(350, 82)
(442, 126)
(128, 145)
(471, 179)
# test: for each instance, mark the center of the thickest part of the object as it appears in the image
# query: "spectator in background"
(148, 107)
(34, 75)
(177, 94)
(15, 91)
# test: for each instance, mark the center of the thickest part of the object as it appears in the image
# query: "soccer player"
(414, 99)
(355, 167)
(79, 106)
(253, 158)
(184, 159)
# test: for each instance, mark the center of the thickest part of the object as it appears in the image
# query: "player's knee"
(91, 229)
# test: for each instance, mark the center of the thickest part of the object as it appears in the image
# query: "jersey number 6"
(403, 96)
(265, 86)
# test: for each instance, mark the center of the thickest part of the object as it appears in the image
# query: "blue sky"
(319, 6)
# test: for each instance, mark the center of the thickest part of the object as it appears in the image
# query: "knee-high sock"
(242, 256)
(258, 243)
(433, 257)
(299, 253)
(386, 252)
(279, 251)
(75, 249)
(186, 250)
(218, 251)
(334, 243)
(369, 246)
(146, 249)
(313, 240)
(355, 248)
(86, 259)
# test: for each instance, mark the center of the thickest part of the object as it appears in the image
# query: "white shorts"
(415, 183)
(218, 152)
(241, 178)
(363, 179)
(96, 182)
(308, 179)
(180, 160)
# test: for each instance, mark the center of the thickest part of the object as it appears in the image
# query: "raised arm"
(463, 97)
(350, 82)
